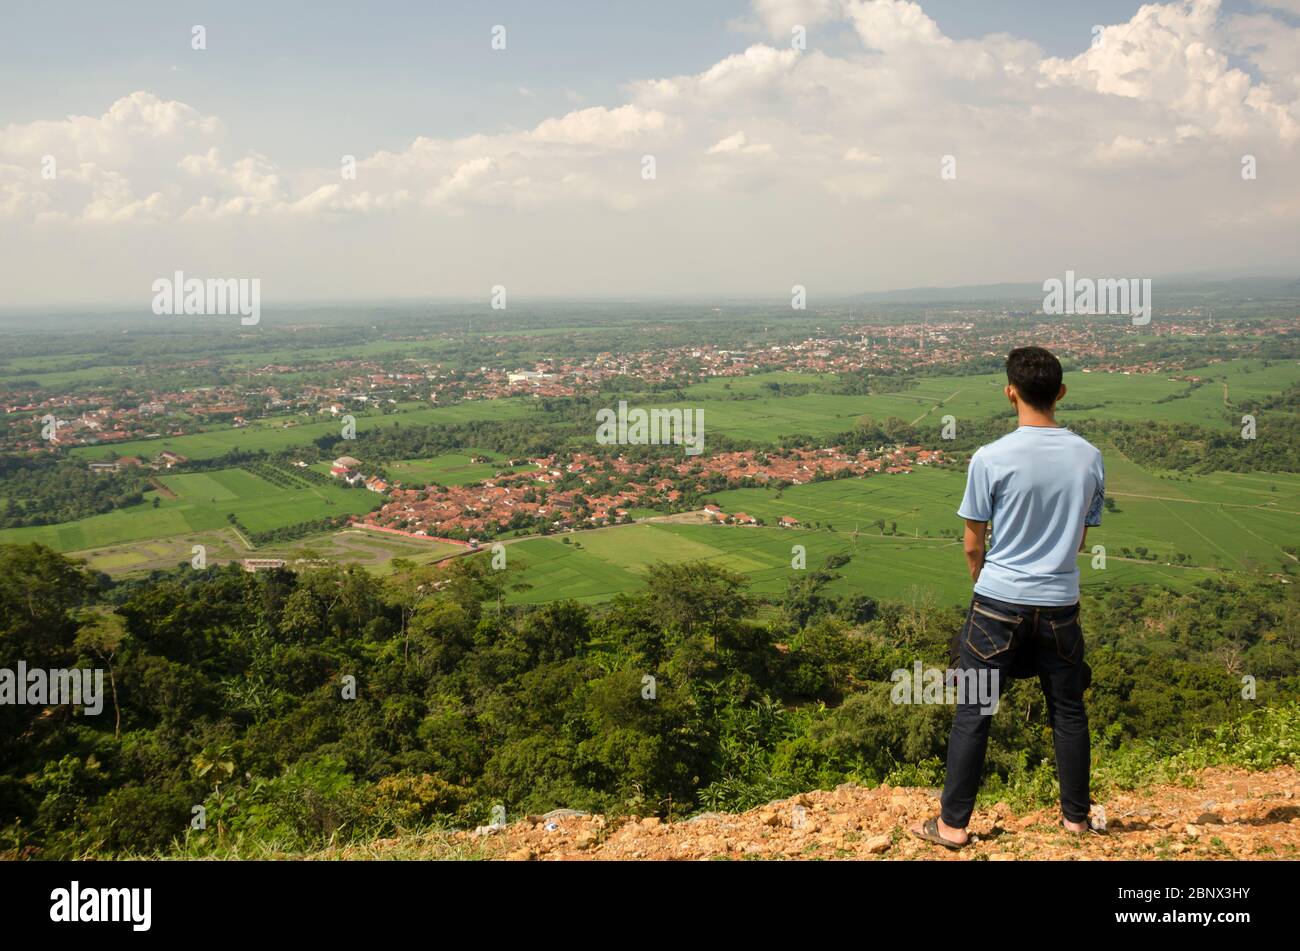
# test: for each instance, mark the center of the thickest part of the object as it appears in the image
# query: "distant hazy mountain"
(1179, 285)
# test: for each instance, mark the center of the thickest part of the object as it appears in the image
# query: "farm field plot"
(1277, 491)
(1250, 379)
(99, 375)
(1133, 397)
(757, 383)
(323, 354)
(920, 501)
(274, 435)
(374, 550)
(1280, 490)
(1240, 381)
(449, 469)
(44, 362)
(1126, 477)
(96, 531)
(613, 561)
(164, 553)
(261, 505)
(1205, 527)
(903, 568)
(1223, 520)
(371, 550)
(202, 502)
(766, 419)
(1094, 395)
(825, 413)
(971, 397)
(141, 556)
(51, 370)
(888, 567)
(1118, 396)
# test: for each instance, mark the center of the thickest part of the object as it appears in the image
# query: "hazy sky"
(126, 154)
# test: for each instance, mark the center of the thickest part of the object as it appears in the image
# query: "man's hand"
(973, 544)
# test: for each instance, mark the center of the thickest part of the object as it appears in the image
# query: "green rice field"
(202, 502)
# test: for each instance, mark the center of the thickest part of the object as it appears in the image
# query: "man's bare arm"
(1083, 542)
(973, 544)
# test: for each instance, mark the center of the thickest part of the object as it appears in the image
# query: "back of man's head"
(1036, 375)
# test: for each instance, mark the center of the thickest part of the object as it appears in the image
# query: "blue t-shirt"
(1039, 486)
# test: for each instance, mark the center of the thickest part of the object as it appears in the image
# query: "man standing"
(1040, 487)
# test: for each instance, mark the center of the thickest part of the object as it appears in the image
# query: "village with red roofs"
(586, 491)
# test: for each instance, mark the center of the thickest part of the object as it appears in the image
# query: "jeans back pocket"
(1068, 635)
(990, 632)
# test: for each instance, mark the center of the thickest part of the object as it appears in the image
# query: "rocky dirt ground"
(1225, 814)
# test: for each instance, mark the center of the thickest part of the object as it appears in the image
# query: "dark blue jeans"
(1014, 640)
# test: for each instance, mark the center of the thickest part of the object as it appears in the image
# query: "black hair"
(1036, 375)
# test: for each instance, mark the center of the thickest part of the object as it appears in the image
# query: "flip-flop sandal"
(930, 833)
(1092, 830)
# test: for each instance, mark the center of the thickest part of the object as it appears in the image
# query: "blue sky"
(125, 154)
(305, 76)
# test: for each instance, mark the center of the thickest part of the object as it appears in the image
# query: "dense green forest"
(232, 691)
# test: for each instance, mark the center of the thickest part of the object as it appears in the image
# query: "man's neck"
(1035, 418)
